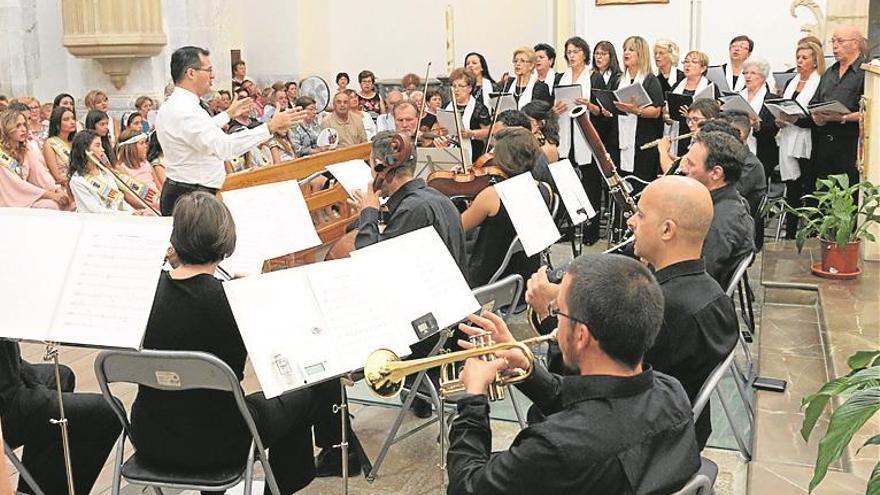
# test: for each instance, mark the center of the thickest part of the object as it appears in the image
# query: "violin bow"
(424, 105)
(458, 128)
(498, 97)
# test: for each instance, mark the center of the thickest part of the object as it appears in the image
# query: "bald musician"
(194, 144)
(615, 426)
(699, 321)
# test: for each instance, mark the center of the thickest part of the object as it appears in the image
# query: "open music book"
(508, 102)
(529, 214)
(788, 107)
(715, 75)
(271, 220)
(316, 322)
(568, 93)
(572, 192)
(737, 103)
(85, 279)
(833, 106)
(633, 93)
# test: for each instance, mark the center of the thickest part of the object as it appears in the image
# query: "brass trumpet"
(384, 372)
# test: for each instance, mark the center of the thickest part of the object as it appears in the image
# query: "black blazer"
(540, 91)
(767, 149)
(605, 126)
(664, 84)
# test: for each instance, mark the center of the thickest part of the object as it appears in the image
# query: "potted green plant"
(861, 390)
(833, 215)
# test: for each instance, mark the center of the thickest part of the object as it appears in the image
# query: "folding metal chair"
(177, 371)
(501, 297)
(703, 397)
(22, 471)
(703, 482)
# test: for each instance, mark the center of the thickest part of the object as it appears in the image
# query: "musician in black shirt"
(617, 426)
(699, 321)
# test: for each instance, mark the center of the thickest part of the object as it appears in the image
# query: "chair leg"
(740, 380)
(737, 435)
(750, 299)
(116, 487)
(157, 490)
(22, 471)
(249, 472)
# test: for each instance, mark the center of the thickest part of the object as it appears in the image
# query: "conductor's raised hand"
(368, 199)
(239, 107)
(282, 121)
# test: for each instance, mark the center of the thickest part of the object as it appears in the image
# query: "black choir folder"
(78, 278)
(317, 322)
(605, 98)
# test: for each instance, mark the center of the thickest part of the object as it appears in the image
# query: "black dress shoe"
(329, 463)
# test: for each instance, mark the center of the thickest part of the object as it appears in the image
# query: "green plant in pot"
(833, 215)
(860, 391)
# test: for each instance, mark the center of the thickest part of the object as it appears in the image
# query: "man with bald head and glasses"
(836, 136)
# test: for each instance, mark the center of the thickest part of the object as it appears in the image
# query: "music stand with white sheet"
(95, 275)
(431, 160)
(572, 192)
(528, 212)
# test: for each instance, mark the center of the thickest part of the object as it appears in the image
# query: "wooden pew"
(336, 196)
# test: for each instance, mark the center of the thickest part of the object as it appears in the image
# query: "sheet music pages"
(112, 281)
(715, 74)
(508, 102)
(528, 212)
(633, 92)
(421, 276)
(707, 93)
(446, 120)
(282, 328)
(353, 175)
(79, 278)
(35, 258)
(568, 94)
(271, 220)
(737, 103)
(832, 106)
(572, 192)
(787, 107)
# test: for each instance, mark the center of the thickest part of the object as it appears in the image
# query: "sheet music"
(112, 280)
(508, 102)
(35, 258)
(281, 326)
(707, 93)
(446, 120)
(528, 212)
(79, 278)
(568, 93)
(715, 74)
(832, 106)
(354, 305)
(633, 92)
(738, 104)
(781, 80)
(572, 192)
(353, 175)
(423, 273)
(271, 220)
(786, 107)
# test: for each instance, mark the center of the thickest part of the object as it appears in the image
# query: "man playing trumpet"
(615, 427)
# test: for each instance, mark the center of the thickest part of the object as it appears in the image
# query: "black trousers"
(91, 424)
(835, 155)
(173, 190)
(795, 190)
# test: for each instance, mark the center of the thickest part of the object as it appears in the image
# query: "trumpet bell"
(376, 376)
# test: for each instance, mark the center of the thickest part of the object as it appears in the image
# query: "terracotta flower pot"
(837, 262)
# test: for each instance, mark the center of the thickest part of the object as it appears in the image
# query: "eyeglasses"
(695, 120)
(34, 108)
(840, 41)
(460, 85)
(209, 70)
(555, 313)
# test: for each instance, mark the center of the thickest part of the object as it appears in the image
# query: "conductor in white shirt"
(195, 146)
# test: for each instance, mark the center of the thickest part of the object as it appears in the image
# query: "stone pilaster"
(19, 46)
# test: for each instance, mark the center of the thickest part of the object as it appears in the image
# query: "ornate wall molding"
(113, 32)
(817, 29)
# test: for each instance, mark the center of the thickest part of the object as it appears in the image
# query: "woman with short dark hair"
(199, 429)
(369, 100)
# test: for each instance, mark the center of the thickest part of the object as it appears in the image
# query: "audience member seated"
(94, 190)
(349, 128)
(516, 151)
(56, 150)
(156, 157)
(24, 181)
(715, 159)
(291, 89)
(135, 170)
(98, 100)
(368, 99)
(144, 105)
(280, 148)
(304, 135)
(277, 103)
(198, 429)
(36, 131)
(99, 121)
(370, 127)
(385, 122)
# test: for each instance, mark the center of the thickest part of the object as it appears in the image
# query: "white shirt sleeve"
(205, 134)
(221, 119)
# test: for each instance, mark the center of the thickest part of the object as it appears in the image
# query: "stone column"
(19, 47)
(845, 13)
(113, 32)
(871, 162)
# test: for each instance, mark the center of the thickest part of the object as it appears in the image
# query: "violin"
(470, 181)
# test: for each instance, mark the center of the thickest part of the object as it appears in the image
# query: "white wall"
(768, 22)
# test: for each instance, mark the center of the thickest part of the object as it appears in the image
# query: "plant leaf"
(862, 359)
(815, 403)
(875, 440)
(874, 481)
(844, 423)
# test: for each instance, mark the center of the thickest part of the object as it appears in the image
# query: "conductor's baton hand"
(282, 121)
(240, 107)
